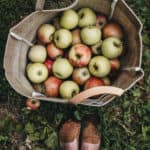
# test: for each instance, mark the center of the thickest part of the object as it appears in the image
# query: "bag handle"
(96, 91)
(40, 6)
(83, 96)
(113, 7)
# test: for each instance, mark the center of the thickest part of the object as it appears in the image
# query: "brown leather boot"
(91, 139)
(69, 135)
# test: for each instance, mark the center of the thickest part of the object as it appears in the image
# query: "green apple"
(90, 35)
(37, 73)
(37, 54)
(96, 49)
(69, 19)
(45, 33)
(87, 17)
(76, 39)
(63, 38)
(28, 66)
(68, 89)
(112, 47)
(99, 66)
(81, 75)
(62, 68)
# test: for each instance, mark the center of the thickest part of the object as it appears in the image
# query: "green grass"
(124, 123)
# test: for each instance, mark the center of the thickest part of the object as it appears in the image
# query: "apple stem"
(95, 66)
(39, 73)
(101, 23)
(73, 93)
(78, 56)
(33, 102)
(85, 73)
(57, 38)
(117, 44)
(81, 16)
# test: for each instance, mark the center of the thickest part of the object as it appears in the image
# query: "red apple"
(106, 81)
(49, 64)
(45, 33)
(93, 82)
(53, 51)
(101, 21)
(115, 64)
(80, 55)
(81, 75)
(52, 85)
(32, 104)
(76, 37)
(112, 30)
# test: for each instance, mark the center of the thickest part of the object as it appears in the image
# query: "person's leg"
(69, 135)
(91, 139)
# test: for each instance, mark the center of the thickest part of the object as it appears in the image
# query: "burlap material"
(15, 58)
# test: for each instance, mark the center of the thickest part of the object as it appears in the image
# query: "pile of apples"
(74, 52)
